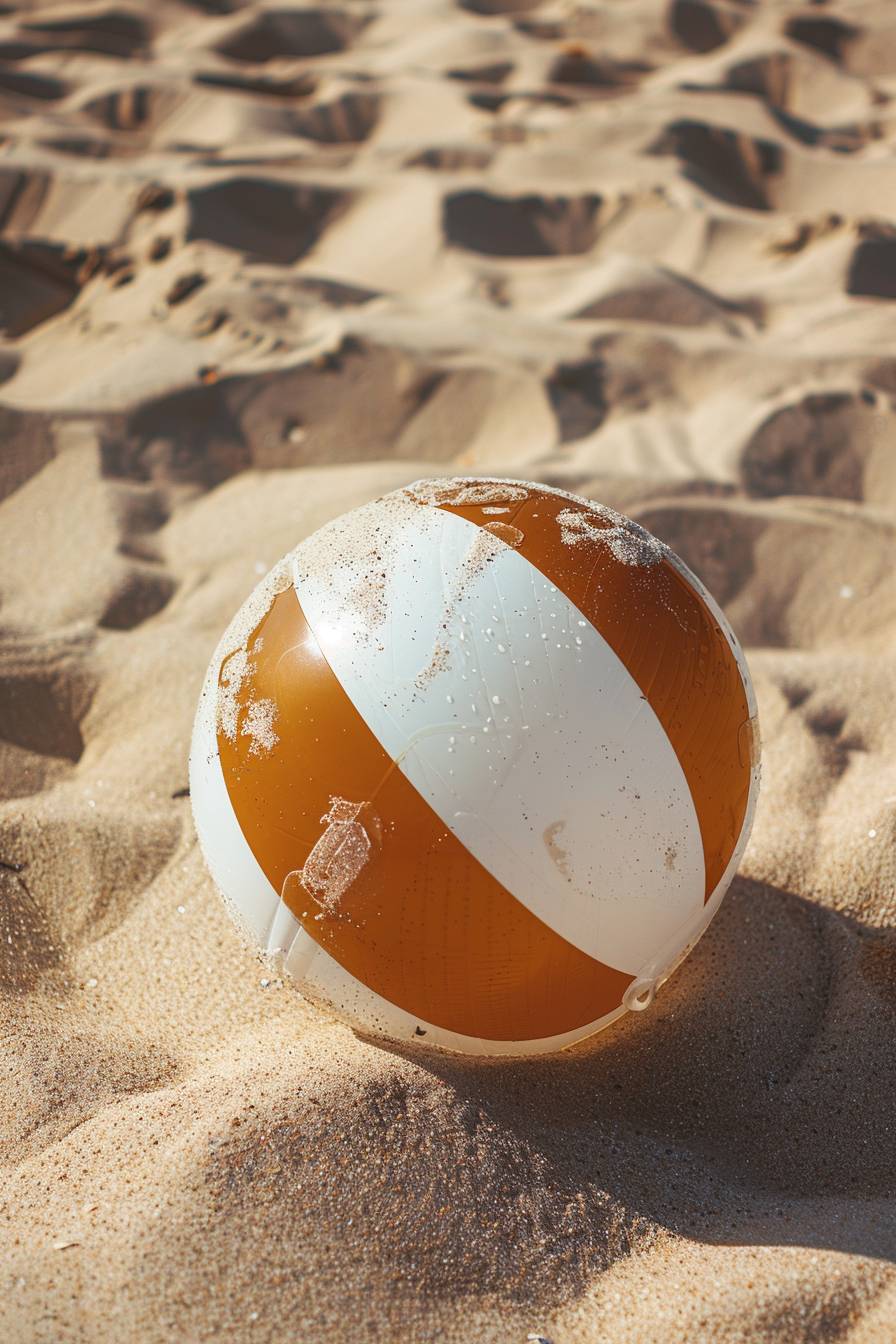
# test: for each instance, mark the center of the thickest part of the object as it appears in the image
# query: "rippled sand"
(257, 265)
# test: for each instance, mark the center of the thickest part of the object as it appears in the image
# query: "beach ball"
(475, 765)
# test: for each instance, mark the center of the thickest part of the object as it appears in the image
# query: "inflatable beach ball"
(475, 764)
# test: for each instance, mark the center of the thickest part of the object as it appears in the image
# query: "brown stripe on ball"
(369, 869)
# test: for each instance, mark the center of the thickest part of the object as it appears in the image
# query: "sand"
(257, 265)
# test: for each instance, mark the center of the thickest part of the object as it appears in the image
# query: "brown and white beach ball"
(476, 763)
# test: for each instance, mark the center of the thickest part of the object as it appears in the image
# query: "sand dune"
(259, 263)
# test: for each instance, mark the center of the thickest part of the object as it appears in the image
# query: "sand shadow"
(749, 1106)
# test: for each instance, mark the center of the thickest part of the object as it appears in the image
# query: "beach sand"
(257, 266)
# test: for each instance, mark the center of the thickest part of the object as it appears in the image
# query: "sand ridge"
(260, 263)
